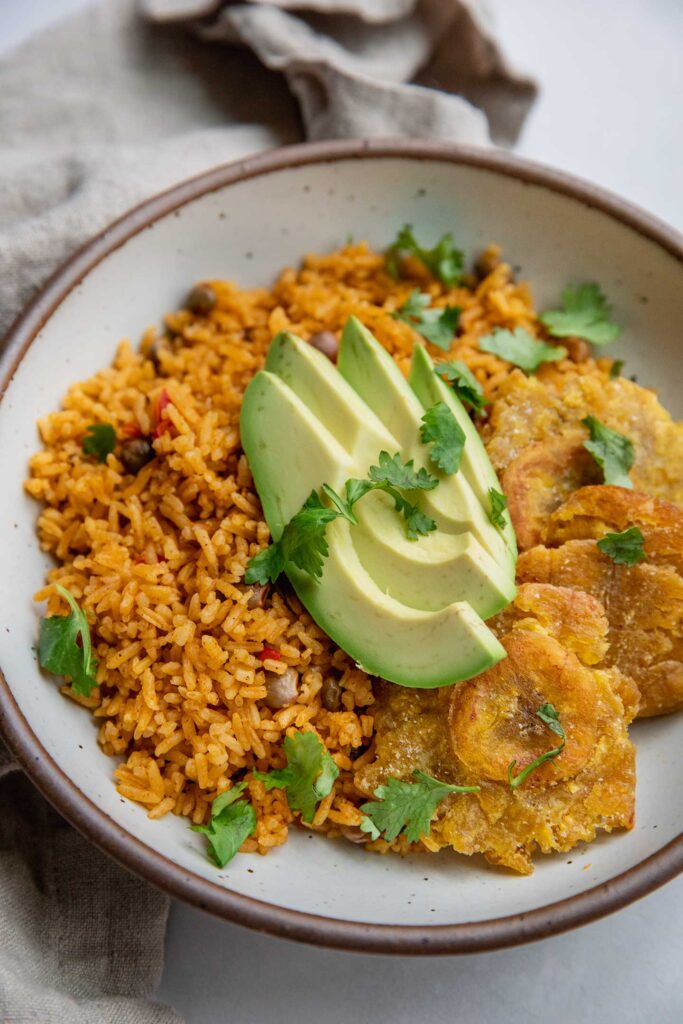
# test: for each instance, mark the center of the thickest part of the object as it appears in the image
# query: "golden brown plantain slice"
(591, 512)
(644, 606)
(576, 620)
(493, 721)
(540, 478)
(528, 410)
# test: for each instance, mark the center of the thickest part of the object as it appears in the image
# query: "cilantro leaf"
(498, 505)
(440, 427)
(520, 348)
(100, 440)
(443, 260)
(549, 716)
(303, 542)
(406, 806)
(464, 383)
(232, 821)
(392, 471)
(585, 314)
(612, 451)
(418, 523)
(616, 368)
(624, 548)
(436, 324)
(392, 474)
(266, 566)
(343, 506)
(308, 777)
(357, 489)
(59, 651)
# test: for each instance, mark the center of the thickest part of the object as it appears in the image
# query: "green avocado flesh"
(475, 463)
(375, 376)
(409, 611)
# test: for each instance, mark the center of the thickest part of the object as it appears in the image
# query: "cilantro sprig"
(436, 324)
(520, 348)
(464, 383)
(304, 543)
(612, 451)
(550, 718)
(406, 807)
(232, 821)
(100, 440)
(65, 648)
(498, 504)
(585, 314)
(441, 429)
(308, 776)
(625, 548)
(444, 261)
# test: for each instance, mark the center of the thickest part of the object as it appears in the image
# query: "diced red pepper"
(132, 430)
(163, 423)
(269, 654)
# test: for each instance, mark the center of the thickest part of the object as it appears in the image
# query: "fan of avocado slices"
(409, 607)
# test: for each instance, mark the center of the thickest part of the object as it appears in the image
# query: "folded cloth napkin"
(348, 62)
(97, 113)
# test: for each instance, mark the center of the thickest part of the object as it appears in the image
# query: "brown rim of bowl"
(155, 867)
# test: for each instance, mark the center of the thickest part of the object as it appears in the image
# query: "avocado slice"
(387, 638)
(332, 401)
(374, 375)
(394, 605)
(289, 452)
(428, 573)
(475, 463)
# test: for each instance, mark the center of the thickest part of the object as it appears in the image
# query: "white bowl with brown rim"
(245, 221)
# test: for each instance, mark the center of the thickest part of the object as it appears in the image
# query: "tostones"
(479, 732)
(644, 606)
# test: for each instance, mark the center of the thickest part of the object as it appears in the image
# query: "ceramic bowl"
(245, 221)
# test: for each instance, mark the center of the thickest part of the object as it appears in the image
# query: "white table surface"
(610, 110)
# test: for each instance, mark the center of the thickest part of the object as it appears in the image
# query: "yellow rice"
(157, 559)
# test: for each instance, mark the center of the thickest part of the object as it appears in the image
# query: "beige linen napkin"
(96, 114)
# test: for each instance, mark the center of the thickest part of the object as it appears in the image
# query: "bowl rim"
(155, 867)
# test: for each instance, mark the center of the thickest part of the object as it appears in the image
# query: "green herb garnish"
(308, 777)
(401, 474)
(434, 323)
(303, 542)
(406, 806)
(549, 716)
(444, 260)
(616, 368)
(232, 821)
(520, 348)
(464, 383)
(498, 505)
(585, 314)
(100, 440)
(441, 429)
(624, 548)
(59, 650)
(612, 451)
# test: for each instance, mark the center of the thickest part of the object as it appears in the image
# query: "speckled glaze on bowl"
(245, 221)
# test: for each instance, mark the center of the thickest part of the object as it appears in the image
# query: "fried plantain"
(540, 478)
(528, 410)
(576, 620)
(592, 512)
(470, 734)
(644, 606)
